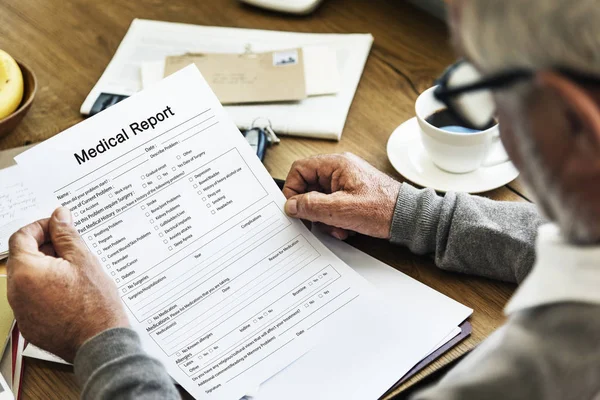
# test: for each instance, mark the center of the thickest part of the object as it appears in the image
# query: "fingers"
(27, 247)
(48, 250)
(318, 207)
(30, 238)
(65, 239)
(338, 233)
(314, 173)
(298, 179)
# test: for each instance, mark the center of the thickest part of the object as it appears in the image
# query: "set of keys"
(260, 137)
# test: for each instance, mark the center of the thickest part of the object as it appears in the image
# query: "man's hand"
(60, 295)
(343, 192)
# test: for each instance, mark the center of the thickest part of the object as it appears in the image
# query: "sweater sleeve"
(113, 365)
(468, 234)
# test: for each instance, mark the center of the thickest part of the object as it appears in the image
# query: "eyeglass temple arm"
(493, 82)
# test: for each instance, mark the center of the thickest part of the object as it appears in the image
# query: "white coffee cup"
(452, 151)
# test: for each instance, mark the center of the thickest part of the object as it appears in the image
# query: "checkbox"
(160, 234)
(191, 179)
(147, 214)
(99, 252)
(156, 228)
(207, 205)
(320, 296)
(320, 276)
(103, 258)
(306, 305)
(195, 186)
(144, 185)
(151, 221)
(199, 191)
(118, 280)
(89, 237)
(108, 267)
(159, 177)
(149, 321)
(143, 207)
(204, 198)
(76, 213)
(113, 273)
(213, 212)
(178, 353)
(165, 241)
(143, 176)
(210, 351)
(110, 195)
(179, 157)
(199, 357)
(170, 247)
(124, 290)
(265, 314)
(310, 283)
(173, 168)
(95, 245)
(254, 321)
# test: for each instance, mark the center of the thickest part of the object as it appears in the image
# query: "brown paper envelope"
(249, 78)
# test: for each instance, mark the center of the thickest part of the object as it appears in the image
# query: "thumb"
(65, 239)
(317, 207)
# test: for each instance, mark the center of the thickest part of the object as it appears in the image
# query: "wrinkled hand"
(59, 293)
(343, 192)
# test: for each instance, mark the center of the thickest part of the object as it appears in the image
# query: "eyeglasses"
(469, 96)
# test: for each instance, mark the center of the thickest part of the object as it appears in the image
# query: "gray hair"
(541, 34)
(534, 34)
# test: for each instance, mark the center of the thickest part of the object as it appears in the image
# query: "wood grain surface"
(69, 43)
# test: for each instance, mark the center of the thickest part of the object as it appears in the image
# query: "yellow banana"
(11, 85)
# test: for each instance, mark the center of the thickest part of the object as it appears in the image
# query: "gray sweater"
(546, 352)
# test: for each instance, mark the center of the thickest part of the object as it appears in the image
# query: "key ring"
(267, 128)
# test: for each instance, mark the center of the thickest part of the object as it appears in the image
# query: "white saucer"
(409, 158)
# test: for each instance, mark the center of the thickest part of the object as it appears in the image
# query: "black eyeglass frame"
(500, 80)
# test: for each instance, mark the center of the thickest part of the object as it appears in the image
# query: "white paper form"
(321, 116)
(18, 205)
(418, 319)
(223, 287)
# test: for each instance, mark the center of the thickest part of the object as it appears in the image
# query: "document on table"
(18, 205)
(222, 286)
(320, 116)
(346, 369)
(419, 313)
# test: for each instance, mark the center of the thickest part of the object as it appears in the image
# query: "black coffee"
(444, 119)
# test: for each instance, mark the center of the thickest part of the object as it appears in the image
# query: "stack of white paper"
(320, 117)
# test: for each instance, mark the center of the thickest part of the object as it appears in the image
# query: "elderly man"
(540, 60)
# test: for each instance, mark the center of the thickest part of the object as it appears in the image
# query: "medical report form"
(221, 285)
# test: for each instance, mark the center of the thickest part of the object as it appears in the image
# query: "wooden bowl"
(8, 124)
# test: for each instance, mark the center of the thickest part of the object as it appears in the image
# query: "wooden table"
(69, 43)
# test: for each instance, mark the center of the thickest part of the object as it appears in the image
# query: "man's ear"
(580, 102)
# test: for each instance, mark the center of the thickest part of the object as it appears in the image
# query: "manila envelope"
(249, 78)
